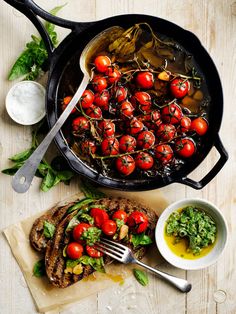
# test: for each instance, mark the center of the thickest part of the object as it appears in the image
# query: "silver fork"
(123, 254)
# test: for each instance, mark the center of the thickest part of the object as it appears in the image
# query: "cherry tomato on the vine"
(126, 109)
(185, 124)
(179, 87)
(110, 146)
(87, 99)
(127, 143)
(125, 164)
(121, 93)
(102, 99)
(94, 112)
(106, 128)
(172, 113)
(145, 140)
(137, 221)
(74, 250)
(65, 103)
(109, 227)
(164, 153)
(99, 83)
(144, 101)
(102, 63)
(113, 75)
(144, 161)
(185, 147)
(199, 125)
(88, 147)
(136, 126)
(166, 132)
(144, 79)
(80, 124)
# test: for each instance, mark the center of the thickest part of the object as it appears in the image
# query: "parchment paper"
(50, 298)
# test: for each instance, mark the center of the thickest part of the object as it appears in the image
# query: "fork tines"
(113, 249)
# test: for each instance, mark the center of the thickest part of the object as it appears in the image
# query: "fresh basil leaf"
(22, 66)
(90, 191)
(39, 268)
(48, 181)
(140, 239)
(73, 222)
(65, 175)
(48, 229)
(22, 156)
(84, 201)
(85, 260)
(11, 171)
(96, 263)
(49, 26)
(141, 276)
(43, 168)
(86, 217)
(91, 235)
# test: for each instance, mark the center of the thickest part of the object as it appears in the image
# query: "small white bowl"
(201, 262)
(25, 102)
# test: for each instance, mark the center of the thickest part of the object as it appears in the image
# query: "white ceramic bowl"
(201, 262)
(25, 102)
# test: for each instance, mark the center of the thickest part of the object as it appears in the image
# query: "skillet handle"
(213, 172)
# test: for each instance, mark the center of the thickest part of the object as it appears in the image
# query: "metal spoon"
(24, 176)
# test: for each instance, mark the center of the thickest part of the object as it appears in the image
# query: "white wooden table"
(214, 289)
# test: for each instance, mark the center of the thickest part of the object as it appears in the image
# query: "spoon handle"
(24, 176)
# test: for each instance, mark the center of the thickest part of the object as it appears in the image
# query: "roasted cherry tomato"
(78, 231)
(88, 147)
(109, 227)
(102, 99)
(144, 79)
(144, 161)
(102, 63)
(164, 153)
(120, 93)
(156, 117)
(106, 128)
(92, 252)
(144, 101)
(94, 112)
(146, 139)
(110, 146)
(74, 250)
(172, 113)
(136, 126)
(99, 83)
(185, 147)
(166, 132)
(185, 124)
(125, 165)
(99, 215)
(137, 221)
(127, 143)
(121, 215)
(80, 124)
(65, 103)
(113, 75)
(87, 99)
(179, 87)
(199, 125)
(126, 109)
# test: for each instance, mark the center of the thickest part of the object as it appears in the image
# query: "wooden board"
(214, 289)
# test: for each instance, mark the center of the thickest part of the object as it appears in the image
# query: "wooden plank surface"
(214, 289)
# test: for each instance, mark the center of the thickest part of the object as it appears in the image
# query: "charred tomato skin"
(138, 222)
(94, 112)
(110, 146)
(144, 161)
(88, 147)
(125, 165)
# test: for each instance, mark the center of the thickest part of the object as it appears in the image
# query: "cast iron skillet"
(69, 50)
